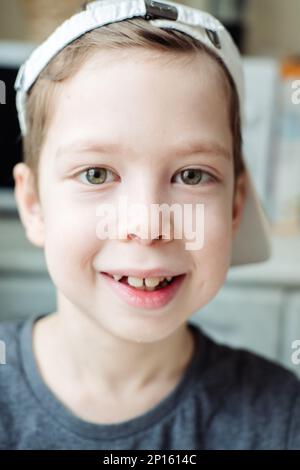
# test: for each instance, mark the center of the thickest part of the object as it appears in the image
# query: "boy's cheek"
(209, 271)
(217, 222)
(71, 236)
(215, 254)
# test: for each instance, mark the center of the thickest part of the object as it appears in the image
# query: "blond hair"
(130, 33)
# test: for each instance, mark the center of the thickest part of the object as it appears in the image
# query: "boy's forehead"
(112, 61)
(107, 106)
(138, 78)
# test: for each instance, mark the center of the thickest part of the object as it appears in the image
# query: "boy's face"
(149, 108)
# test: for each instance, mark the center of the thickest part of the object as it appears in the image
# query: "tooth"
(152, 281)
(117, 277)
(135, 281)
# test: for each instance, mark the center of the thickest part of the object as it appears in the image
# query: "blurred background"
(259, 306)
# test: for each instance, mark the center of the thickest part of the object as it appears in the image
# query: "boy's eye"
(191, 176)
(96, 176)
(194, 176)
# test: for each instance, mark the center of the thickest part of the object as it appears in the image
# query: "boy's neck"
(72, 347)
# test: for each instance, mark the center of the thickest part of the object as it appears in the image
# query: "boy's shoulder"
(11, 376)
(9, 341)
(245, 391)
(243, 368)
(11, 364)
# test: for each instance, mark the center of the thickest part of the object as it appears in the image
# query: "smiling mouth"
(132, 283)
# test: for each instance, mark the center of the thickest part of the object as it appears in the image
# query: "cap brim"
(252, 242)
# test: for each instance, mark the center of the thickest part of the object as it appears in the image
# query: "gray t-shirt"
(227, 399)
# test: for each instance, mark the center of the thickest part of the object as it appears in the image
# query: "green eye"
(193, 176)
(95, 176)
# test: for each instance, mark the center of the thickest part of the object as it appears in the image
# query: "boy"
(152, 114)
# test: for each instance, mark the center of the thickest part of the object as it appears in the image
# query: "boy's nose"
(146, 241)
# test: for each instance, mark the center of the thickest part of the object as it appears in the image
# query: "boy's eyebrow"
(186, 148)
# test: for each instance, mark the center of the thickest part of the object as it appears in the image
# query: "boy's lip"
(148, 300)
(156, 272)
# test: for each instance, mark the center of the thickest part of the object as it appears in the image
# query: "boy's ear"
(239, 200)
(29, 207)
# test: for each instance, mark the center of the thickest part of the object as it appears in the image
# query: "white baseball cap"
(252, 240)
